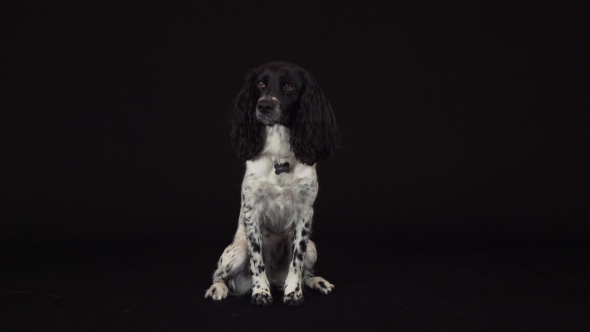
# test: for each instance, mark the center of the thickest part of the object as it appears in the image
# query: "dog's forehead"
(280, 70)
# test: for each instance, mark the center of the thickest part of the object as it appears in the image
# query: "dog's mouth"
(271, 118)
(269, 122)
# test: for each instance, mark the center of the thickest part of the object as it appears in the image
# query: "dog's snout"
(266, 105)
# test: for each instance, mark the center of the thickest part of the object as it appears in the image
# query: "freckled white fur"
(275, 209)
(279, 210)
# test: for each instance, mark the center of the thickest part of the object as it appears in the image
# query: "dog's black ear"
(246, 131)
(314, 134)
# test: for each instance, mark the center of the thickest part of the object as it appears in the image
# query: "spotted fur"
(281, 114)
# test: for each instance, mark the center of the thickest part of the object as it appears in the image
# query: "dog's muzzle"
(267, 105)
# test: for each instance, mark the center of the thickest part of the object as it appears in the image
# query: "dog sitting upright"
(281, 124)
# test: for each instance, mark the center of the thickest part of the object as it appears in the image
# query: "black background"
(461, 125)
(452, 118)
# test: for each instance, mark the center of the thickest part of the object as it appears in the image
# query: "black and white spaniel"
(282, 124)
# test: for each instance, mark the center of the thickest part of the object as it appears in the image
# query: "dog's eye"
(288, 86)
(261, 84)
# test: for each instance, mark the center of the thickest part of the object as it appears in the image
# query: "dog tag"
(282, 168)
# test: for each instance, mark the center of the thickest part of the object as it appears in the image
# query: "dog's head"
(279, 87)
(285, 94)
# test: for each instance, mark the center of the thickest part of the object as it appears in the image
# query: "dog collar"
(281, 167)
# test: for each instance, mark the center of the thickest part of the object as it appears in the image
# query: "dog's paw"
(217, 292)
(293, 299)
(322, 285)
(261, 298)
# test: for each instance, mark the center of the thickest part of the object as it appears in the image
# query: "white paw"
(321, 284)
(261, 297)
(217, 292)
(294, 299)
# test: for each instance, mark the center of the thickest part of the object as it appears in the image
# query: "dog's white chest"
(278, 197)
(278, 209)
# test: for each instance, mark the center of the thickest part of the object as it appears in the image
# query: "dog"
(282, 124)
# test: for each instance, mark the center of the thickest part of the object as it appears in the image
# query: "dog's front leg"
(260, 285)
(300, 237)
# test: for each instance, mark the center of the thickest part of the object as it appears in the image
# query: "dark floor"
(96, 285)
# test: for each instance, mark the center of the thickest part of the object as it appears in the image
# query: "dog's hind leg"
(232, 270)
(316, 283)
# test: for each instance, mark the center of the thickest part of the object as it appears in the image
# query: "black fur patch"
(303, 246)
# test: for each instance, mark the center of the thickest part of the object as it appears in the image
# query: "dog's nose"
(266, 105)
